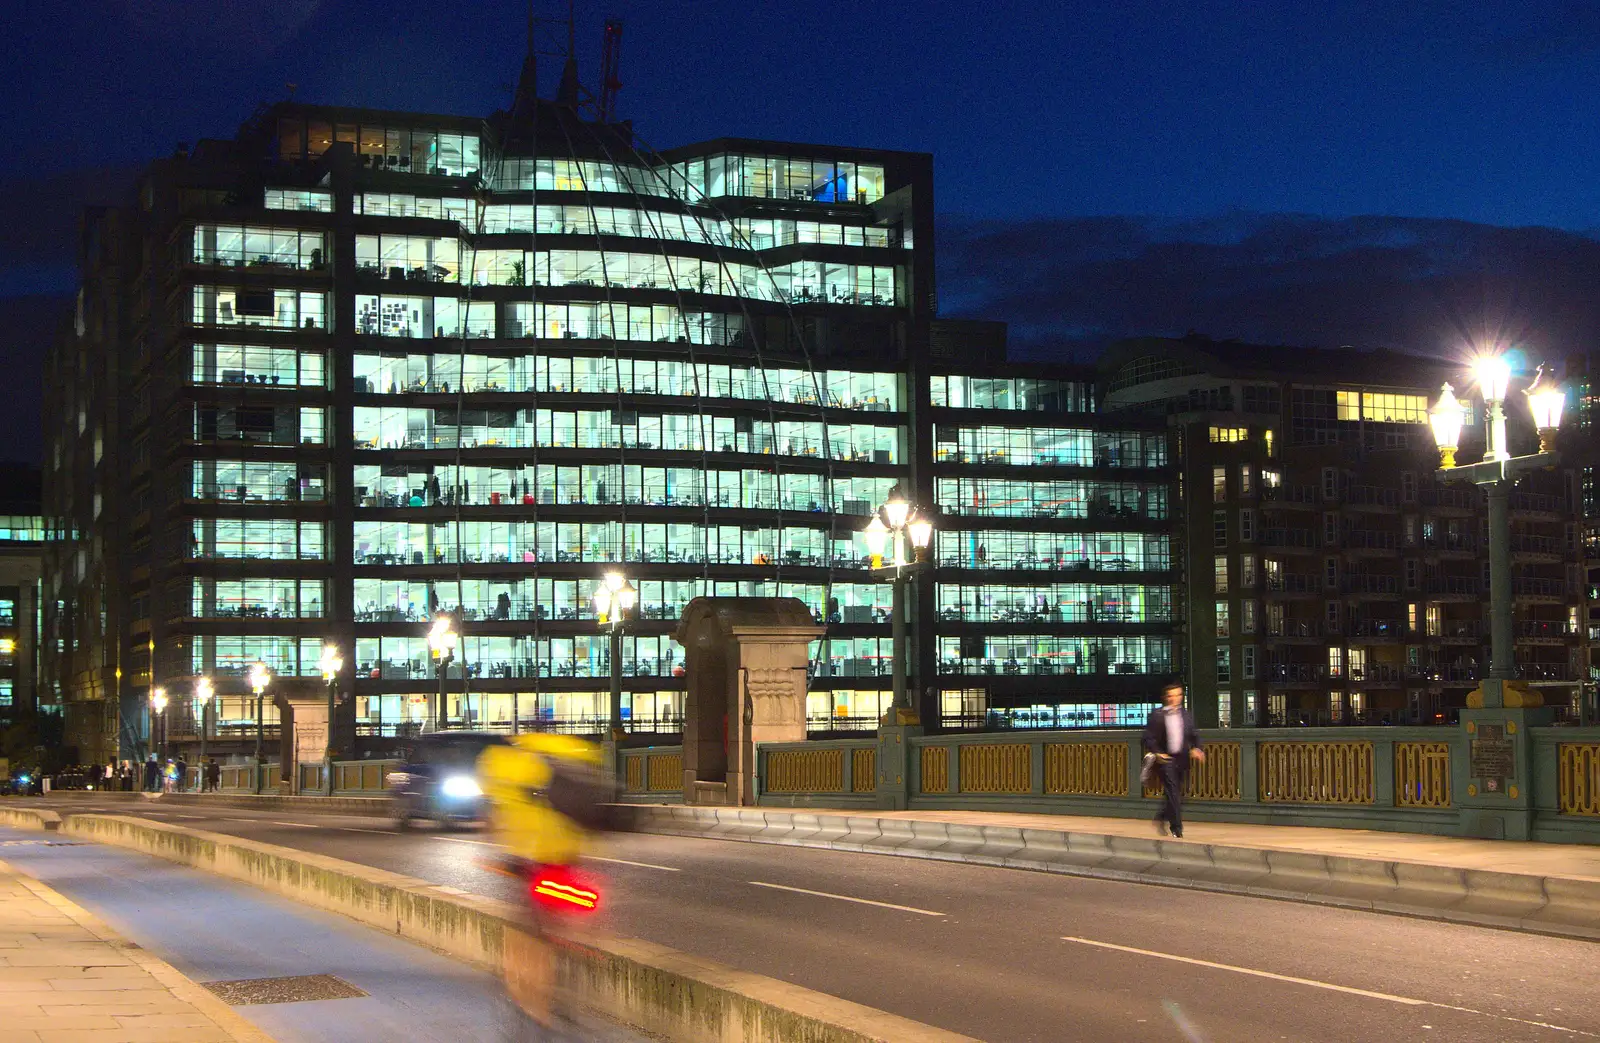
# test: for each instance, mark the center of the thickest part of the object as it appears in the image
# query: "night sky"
(1328, 173)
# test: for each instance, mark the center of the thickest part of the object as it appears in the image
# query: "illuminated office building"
(353, 369)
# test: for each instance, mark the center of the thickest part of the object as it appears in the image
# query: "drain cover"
(296, 989)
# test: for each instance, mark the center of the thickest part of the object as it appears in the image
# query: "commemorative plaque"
(1492, 758)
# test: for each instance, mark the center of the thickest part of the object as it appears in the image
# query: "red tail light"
(559, 889)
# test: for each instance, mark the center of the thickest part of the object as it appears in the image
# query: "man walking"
(1170, 735)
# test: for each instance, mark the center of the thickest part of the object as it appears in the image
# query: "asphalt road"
(1004, 954)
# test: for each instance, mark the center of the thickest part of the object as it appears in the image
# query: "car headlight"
(460, 786)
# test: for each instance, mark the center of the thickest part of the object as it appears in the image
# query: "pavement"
(203, 928)
(1574, 861)
(67, 976)
(1004, 954)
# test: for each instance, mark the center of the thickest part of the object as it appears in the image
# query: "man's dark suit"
(1175, 769)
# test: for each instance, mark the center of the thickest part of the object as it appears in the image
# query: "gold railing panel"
(1001, 768)
(372, 776)
(633, 774)
(805, 771)
(1578, 766)
(1215, 778)
(936, 769)
(864, 770)
(1314, 772)
(1422, 774)
(1089, 769)
(664, 773)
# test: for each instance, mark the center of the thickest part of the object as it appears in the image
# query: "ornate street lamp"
(892, 528)
(442, 640)
(1497, 472)
(158, 711)
(202, 695)
(330, 664)
(260, 678)
(614, 601)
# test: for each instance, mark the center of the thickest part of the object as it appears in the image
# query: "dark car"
(439, 779)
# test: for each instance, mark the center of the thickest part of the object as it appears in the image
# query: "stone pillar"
(746, 684)
(310, 745)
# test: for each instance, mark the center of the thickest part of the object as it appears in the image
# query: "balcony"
(1377, 630)
(1371, 496)
(1536, 547)
(1383, 673)
(1537, 503)
(1465, 631)
(1450, 587)
(1289, 539)
(1370, 540)
(1296, 673)
(1452, 499)
(1553, 672)
(1294, 585)
(1539, 589)
(1450, 543)
(1299, 496)
(1298, 630)
(1542, 630)
(1358, 583)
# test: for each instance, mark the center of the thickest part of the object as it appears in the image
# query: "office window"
(1219, 528)
(1230, 434)
(1349, 404)
(1224, 664)
(1219, 484)
(1247, 571)
(1248, 663)
(1335, 661)
(1222, 619)
(1247, 617)
(1247, 485)
(1394, 409)
(1247, 525)
(1219, 571)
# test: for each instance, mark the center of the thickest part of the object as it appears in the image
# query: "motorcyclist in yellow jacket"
(516, 778)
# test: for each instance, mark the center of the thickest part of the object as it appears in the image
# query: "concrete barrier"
(1520, 901)
(28, 818)
(376, 807)
(669, 994)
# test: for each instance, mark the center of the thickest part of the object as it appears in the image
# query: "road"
(1010, 955)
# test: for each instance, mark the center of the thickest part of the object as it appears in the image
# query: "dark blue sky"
(1196, 124)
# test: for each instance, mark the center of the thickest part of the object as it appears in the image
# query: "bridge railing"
(652, 773)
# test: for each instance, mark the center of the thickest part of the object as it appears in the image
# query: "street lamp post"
(1497, 472)
(260, 678)
(896, 522)
(158, 711)
(330, 664)
(442, 643)
(202, 694)
(614, 600)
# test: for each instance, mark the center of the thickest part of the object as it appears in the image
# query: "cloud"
(1069, 286)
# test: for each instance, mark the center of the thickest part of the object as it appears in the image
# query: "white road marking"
(641, 865)
(298, 825)
(847, 898)
(460, 840)
(358, 829)
(450, 890)
(1313, 983)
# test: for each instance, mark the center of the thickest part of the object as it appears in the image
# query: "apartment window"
(1330, 572)
(1219, 484)
(1330, 616)
(1330, 528)
(1411, 617)
(1247, 525)
(1358, 704)
(1224, 709)
(1224, 664)
(1266, 438)
(1247, 617)
(1247, 484)
(1247, 572)
(1219, 570)
(1250, 698)
(1358, 664)
(1408, 486)
(1330, 483)
(1335, 706)
(1572, 539)
(1411, 573)
(1219, 528)
(1248, 664)
(1278, 707)
(1271, 479)
(1222, 619)
(1408, 527)
(1435, 621)
(1335, 661)
(1230, 434)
